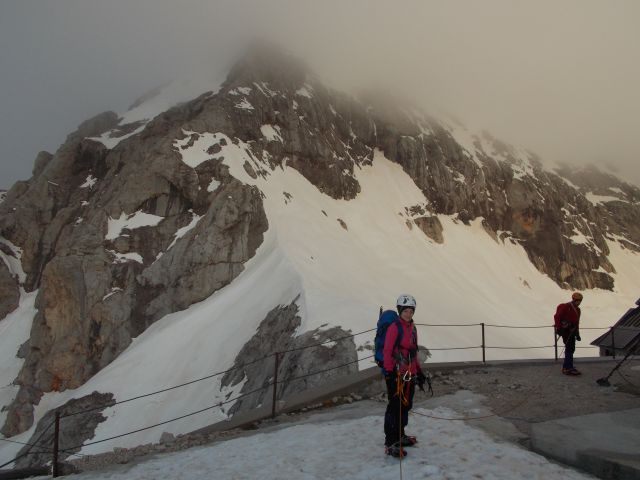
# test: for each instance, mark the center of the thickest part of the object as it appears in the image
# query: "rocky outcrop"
(431, 227)
(103, 281)
(74, 429)
(562, 232)
(255, 365)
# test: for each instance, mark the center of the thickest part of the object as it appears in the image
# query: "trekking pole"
(604, 382)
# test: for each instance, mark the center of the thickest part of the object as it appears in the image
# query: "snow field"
(337, 448)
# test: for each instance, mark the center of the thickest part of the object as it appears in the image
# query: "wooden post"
(275, 385)
(56, 446)
(484, 360)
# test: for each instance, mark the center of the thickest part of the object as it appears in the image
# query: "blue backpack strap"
(385, 320)
(400, 332)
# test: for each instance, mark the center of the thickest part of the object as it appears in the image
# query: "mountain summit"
(270, 212)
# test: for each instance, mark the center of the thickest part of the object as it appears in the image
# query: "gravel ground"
(536, 393)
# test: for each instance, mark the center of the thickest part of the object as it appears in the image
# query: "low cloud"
(557, 77)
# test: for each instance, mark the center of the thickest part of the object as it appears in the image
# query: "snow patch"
(195, 154)
(265, 90)
(176, 92)
(240, 91)
(133, 221)
(330, 446)
(305, 91)
(271, 133)
(244, 105)
(89, 182)
(181, 232)
(126, 257)
(601, 199)
(14, 261)
(15, 329)
(113, 291)
(109, 140)
(213, 185)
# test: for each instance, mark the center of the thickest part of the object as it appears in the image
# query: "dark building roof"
(625, 331)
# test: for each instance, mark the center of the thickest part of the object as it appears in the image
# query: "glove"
(578, 337)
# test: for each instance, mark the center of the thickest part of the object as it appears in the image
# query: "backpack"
(386, 318)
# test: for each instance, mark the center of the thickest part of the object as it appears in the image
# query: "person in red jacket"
(567, 323)
(401, 370)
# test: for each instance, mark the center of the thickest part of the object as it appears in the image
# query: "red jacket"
(567, 317)
(407, 349)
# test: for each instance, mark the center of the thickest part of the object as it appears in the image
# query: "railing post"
(56, 443)
(275, 385)
(555, 342)
(613, 341)
(484, 360)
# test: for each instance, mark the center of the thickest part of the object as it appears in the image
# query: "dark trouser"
(393, 424)
(569, 348)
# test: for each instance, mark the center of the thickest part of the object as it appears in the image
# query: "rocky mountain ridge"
(127, 223)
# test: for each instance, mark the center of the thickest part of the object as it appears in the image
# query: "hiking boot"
(570, 371)
(408, 440)
(395, 450)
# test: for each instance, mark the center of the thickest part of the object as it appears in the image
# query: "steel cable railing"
(275, 383)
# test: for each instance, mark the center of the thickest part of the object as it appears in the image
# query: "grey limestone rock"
(74, 429)
(276, 333)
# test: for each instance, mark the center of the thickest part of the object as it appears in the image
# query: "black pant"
(569, 348)
(393, 427)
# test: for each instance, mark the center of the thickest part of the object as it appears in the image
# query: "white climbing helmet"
(406, 301)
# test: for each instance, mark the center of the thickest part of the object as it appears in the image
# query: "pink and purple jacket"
(408, 348)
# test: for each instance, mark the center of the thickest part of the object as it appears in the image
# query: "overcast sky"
(557, 76)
